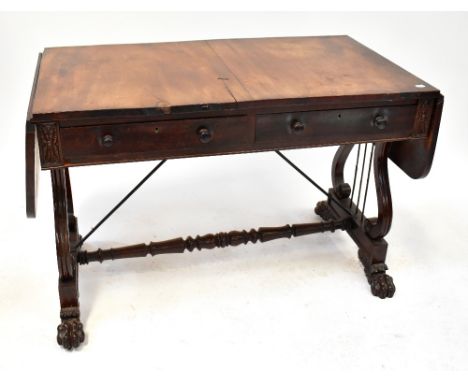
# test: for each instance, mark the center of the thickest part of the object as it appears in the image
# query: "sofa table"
(118, 103)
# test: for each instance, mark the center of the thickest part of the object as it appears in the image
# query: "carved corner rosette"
(49, 144)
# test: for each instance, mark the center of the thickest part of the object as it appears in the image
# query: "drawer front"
(135, 141)
(323, 127)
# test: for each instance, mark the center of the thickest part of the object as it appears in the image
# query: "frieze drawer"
(153, 140)
(320, 127)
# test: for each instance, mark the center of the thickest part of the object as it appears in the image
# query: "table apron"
(140, 141)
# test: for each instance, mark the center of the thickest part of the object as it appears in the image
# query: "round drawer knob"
(297, 127)
(107, 140)
(380, 122)
(204, 134)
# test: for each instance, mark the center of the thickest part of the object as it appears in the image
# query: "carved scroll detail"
(49, 140)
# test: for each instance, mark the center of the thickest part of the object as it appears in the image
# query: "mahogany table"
(120, 103)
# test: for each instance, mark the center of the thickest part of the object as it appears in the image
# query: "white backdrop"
(284, 309)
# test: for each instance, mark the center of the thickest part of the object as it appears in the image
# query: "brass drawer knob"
(380, 121)
(297, 126)
(204, 134)
(107, 140)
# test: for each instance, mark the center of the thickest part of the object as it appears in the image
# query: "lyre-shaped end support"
(378, 227)
(368, 234)
(70, 332)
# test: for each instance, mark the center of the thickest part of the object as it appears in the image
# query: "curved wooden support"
(339, 161)
(378, 228)
(341, 188)
(70, 332)
(62, 233)
(72, 220)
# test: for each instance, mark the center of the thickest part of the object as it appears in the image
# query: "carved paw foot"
(70, 333)
(323, 210)
(382, 285)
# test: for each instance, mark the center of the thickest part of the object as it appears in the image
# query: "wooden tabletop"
(164, 76)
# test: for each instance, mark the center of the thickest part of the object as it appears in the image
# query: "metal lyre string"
(361, 178)
(367, 182)
(355, 174)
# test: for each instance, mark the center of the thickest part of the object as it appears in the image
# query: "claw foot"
(382, 285)
(70, 333)
(323, 210)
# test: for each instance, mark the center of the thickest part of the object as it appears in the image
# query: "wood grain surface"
(167, 75)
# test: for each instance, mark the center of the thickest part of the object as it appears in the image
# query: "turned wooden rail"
(210, 241)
